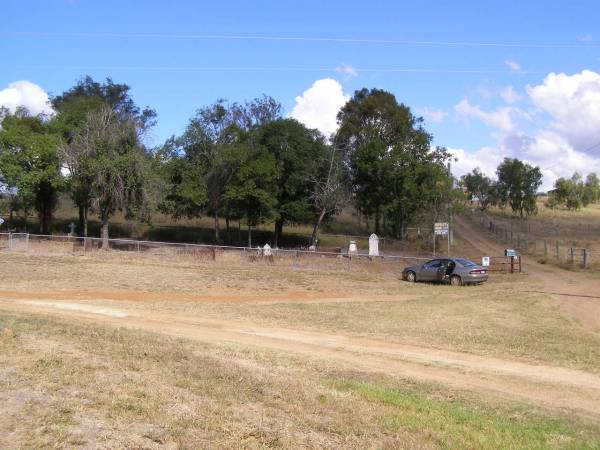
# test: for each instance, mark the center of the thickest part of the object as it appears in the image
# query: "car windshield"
(465, 262)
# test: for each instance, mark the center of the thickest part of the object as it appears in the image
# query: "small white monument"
(352, 250)
(373, 245)
(266, 251)
(485, 261)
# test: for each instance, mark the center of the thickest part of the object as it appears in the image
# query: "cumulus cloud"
(319, 105)
(433, 115)
(500, 119)
(573, 102)
(513, 65)
(25, 94)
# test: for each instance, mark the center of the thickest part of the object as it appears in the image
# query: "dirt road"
(553, 387)
(576, 293)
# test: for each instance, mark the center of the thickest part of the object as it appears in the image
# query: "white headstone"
(267, 250)
(352, 248)
(373, 245)
(485, 261)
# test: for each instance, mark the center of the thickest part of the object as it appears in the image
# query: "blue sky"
(497, 100)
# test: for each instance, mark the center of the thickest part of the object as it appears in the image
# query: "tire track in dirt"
(552, 387)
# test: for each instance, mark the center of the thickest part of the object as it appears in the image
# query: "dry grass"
(64, 385)
(499, 318)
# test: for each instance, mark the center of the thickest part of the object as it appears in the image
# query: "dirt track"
(575, 292)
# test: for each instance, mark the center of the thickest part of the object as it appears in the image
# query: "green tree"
(252, 191)
(591, 189)
(118, 164)
(73, 108)
(29, 162)
(387, 152)
(297, 152)
(479, 187)
(517, 185)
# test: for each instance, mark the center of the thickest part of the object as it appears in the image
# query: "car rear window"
(465, 262)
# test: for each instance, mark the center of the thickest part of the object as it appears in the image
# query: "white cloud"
(486, 158)
(509, 95)
(558, 145)
(25, 94)
(585, 38)
(573, 102)
(513, 65)
(319, 105)
(347, 70)
(500, 119)
(433, 115)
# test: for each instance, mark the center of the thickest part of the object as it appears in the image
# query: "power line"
(296, 38)
(274, 69)
(584, 151)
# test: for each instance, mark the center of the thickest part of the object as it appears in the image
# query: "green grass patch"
(454, 424)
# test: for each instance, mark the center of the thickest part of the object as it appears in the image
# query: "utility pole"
(450, 227)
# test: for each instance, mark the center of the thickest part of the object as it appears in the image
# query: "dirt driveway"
(575, 292)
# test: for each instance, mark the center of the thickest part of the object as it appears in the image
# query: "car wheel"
(411, 277)
(455, 280)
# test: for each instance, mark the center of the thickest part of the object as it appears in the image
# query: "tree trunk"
(228, 229)
(85, 221)
(217, 237)
(313, 239)
(249, 236)
(104, 232)
(278, 232)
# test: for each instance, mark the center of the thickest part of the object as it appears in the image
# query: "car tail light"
(478, 271)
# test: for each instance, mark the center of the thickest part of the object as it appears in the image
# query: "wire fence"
(561, 251)
(98, 247)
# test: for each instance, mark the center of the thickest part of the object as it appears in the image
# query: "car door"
(430, 270)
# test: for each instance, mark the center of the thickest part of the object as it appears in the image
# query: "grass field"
(215, 355)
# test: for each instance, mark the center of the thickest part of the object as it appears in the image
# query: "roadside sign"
(485, 261)
(510, 252)
(1, 221)
(441, 228)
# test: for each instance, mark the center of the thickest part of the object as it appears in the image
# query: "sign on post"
(441, 228)
(485, 261)
(1, 221)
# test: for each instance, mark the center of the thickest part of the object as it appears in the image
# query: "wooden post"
(572, 255)
(557, 250)
(512, 264)
(545, 248)
(585, 254)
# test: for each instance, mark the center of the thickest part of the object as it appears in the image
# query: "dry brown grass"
(65, 385)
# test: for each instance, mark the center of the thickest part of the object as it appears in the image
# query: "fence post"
(9, 240)
(557, 250)
(572, 255)
(545, 248)
(584, 258)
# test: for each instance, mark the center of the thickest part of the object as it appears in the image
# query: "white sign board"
(1, 220)
(485, 261)
(373, 245)
(441, 228)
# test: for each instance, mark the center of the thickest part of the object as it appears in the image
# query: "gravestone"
(373, 245)
(71, 229)
(352, 249)
(266, 251)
